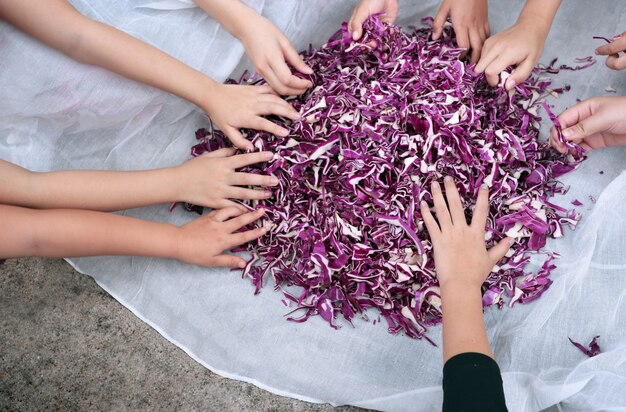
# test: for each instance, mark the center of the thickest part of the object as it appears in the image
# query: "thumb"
(520, 74)
(498, 251)
(585, 128)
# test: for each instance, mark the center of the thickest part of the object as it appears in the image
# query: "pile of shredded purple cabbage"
(378, 126)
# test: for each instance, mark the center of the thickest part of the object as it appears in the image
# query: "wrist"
(459, 286)
(203, 92)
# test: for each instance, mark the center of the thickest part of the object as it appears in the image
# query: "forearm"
(86, 189)
(58, 24)
(231, 14)
(540, 13)
(74, 233)
(463, 326)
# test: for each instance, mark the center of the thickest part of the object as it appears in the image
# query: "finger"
(585, 128)
(361, 13)
(287, 79)
(520, 73)
(275, 105)
(431, 224)
(224, 203)
(224, 152)
(476, 43)
(462, 38)
(224, 214)
(495, 68)
(391, 12)
(282, 89)
(586, 146)
(245, 219)
(498, 251)
(454, 202)
(443, 215)
(616, 62)
(556, 143)
(227, 261)
(237, 139)
(263, 124)
(614, 47)
(295, 59)
(247, 159)
(248, 194)
(488, 55)
(265, 89)
(439, 21)
(240, 238)
(251, 179)
(481, 210)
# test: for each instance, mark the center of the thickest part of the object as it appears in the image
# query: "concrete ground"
(65, 344)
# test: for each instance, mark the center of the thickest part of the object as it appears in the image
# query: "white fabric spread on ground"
(56, 113)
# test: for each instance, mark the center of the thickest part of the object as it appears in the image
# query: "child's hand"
(521, 45)
(368, 7)
(612, 50)
(212, 179)
(270, 51)
(203, 241)
(593, 124)
(460, 253)
(470, 19)
(232, 107)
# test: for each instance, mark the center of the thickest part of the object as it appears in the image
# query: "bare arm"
(520, 45)
(58, 24)
(68, 232)
(462, 264)
(86, 189)
(266, 46)
(210, 180)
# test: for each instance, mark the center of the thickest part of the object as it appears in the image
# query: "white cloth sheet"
(56, 113)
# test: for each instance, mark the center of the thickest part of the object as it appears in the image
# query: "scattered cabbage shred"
(387, 115)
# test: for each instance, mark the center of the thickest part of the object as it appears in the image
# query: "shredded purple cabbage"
(378, 126)
(594, 347)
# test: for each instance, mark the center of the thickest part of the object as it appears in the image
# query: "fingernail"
(447, 179)
(484, 186)
(267, 194)
(242, 265)
(568, 133)
(597, 51)
(355, 35)
(510, 83)
(434, 183)
(510, 241)
(284, 132)
(274, 181)
(423, 204)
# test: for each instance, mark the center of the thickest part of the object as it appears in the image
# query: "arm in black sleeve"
(472, 382)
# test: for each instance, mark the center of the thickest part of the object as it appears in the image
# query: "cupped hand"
(470, 20)
(232, 107)
(521, 45)
(270, 51)
(366, 8)
(593, 124)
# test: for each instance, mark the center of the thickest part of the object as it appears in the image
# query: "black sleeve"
(472, 382)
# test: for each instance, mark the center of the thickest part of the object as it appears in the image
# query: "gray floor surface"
(65, 344)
